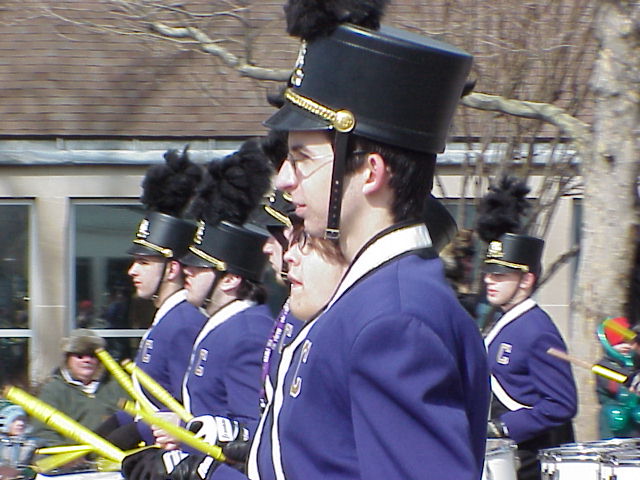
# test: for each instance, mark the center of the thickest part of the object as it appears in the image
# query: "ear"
(527, 280)
(230, 282)
(376, 173)
(173, 270)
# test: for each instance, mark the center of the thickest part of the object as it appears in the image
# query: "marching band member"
(534, 393)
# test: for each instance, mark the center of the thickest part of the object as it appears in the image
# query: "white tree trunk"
(609, 207)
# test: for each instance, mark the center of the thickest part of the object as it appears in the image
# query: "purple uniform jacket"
(165, 350)
(224, 375)
(540, 389)
(284, 330)
(391, 382)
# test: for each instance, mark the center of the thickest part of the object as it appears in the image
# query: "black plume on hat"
(234, 185)
(502, 209)
(309, 19)
(274, 146)
(168, 188)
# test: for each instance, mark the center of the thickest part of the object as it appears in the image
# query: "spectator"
(79, 387)
(16, 444)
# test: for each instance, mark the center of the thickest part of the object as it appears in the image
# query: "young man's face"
(197, 283)
(146, 272)
(274, 250)
(504, 290)
(306, 175)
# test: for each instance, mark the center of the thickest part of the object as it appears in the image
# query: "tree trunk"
(609, 206)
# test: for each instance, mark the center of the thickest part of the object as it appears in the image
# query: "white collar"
(170, 302)
(225, 313)
(88, 389)
(381, 250)
(509, 317)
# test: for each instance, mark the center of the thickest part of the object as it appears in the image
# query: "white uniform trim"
(396, 242)
(497, 389)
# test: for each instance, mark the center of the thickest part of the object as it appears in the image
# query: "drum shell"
(500, 461)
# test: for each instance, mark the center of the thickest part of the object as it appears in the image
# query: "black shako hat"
(229, 248)
(514, 252)
(273, 212)
(164, 235)
(389, 85)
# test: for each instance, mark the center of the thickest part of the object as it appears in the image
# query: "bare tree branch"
(571, 126)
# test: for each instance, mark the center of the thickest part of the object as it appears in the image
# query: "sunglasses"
(82, 355)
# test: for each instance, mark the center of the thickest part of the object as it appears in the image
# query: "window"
(14, 292)
(103, 295)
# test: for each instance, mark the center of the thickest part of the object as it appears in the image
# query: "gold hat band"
(278, 216)
(165, 252)
(342, 120)
(219, 264)
(523, 268)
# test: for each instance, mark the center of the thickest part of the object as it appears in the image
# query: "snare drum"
(622, 465)
(499, 460)
(82, 476)
(572, 462)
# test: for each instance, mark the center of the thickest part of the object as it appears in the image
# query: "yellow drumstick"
(63, 449)
(47, 464)
(595, 368)
(116, 372)
(156, 390)
(178, 433)
(62, 423)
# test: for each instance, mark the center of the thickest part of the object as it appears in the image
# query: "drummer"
(534, 394)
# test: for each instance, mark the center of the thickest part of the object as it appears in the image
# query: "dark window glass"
(14, 262)
(104, 295)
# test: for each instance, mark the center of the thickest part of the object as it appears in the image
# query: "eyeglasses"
(300, 239)
(305, 166)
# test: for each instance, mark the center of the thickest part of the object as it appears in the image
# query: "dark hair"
(411, 174)
(250, 290)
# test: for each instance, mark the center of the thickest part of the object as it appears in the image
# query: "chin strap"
(340, 148)
(217, 276)
(278, 234)
(156, 293)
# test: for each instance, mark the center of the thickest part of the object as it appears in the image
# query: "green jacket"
(89, 410)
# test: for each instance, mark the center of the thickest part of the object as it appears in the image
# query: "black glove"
(157, 464)
(144, 465)
(497, 429)
(237, 451)
(194, 467)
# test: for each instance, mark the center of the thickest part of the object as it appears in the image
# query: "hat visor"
(497, 268)
(292, 118)
(136, 249)
(190, 259)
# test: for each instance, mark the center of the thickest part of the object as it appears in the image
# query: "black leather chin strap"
(340, 149)
(216, 279)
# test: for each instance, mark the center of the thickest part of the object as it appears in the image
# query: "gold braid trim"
(165, 252)
(278, 216)
(342, 120)
(523, 268)
(219, 264)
